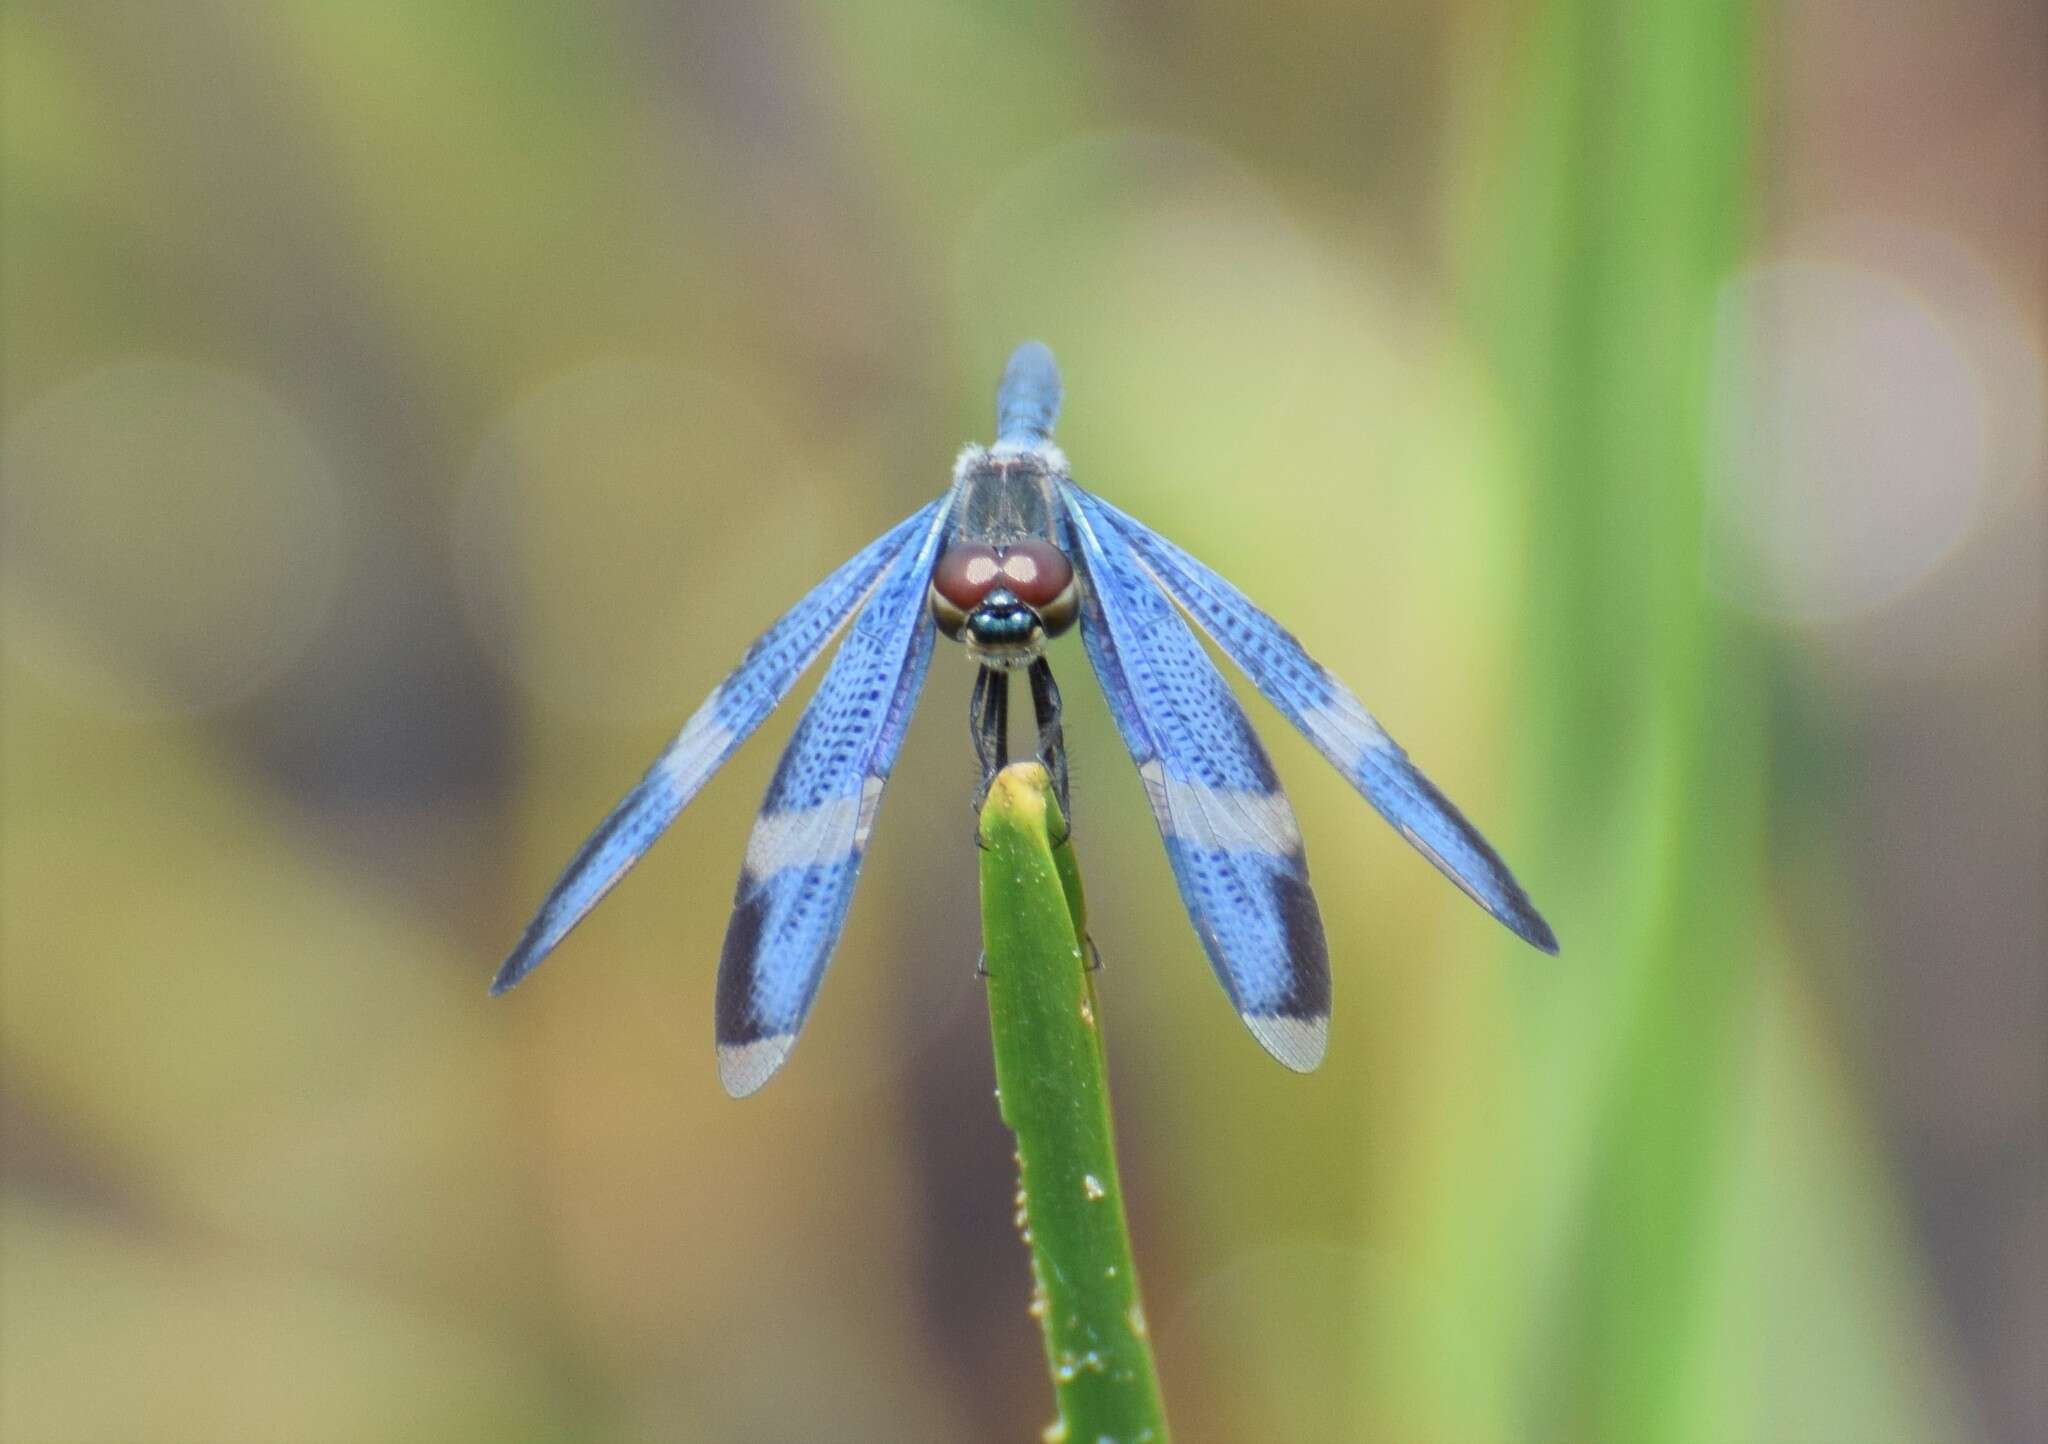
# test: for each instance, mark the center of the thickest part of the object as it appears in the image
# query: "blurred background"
(411, 411)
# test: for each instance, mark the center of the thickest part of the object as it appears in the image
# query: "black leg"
(1052, 751)
(1052, 742)
(988, 715)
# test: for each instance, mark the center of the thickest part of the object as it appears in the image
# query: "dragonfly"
(1012, 554)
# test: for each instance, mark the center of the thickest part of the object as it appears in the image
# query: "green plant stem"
(1053, 1086)
(1622, 208)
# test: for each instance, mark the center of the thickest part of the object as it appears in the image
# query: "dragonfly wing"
(1229, 831)
(1338, 724)
(728, 717)
(805, 850)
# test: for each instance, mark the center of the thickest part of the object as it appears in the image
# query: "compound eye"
(1038, 572)
(965, 574)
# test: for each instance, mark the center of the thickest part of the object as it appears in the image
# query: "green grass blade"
(1622, 207)
(1054, 1088)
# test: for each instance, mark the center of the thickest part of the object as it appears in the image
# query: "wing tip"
(525, 958)
(1530, 927)
(1502, 897)
(1295, 1041)
(743, 1068)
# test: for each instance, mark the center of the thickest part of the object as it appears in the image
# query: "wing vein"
(735, 708)
(804, 855)
(1229, 832)
(1337, 723)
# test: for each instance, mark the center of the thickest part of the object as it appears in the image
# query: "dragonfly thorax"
(1003, 602)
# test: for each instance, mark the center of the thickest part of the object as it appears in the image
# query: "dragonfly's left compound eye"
(964, 576)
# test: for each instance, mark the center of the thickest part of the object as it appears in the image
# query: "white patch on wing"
(807, 836)
(744, 1067)
(699, 747)
(1236, 819)
(870, 804)
(1298, 1043)
(1153, 774)
(1344, 731)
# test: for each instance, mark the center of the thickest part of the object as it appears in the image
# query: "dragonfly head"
(1003, 602)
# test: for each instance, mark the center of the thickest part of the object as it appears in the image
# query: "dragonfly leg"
(988, 716)
(1052, 742)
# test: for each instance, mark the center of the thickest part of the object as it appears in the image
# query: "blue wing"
(727, 718)
(1340, 727)
(1229, 832)
(805, 850)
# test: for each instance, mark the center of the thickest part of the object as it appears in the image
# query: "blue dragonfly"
(1014, 553)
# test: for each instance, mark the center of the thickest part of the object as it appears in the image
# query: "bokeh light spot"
(1853, 435)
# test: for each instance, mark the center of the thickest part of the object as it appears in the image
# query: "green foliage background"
(409, 413)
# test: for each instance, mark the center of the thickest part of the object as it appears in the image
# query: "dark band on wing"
(1230, 834)
(735, 1019)
(737, 706)
(804, 853)
(1327, 713)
